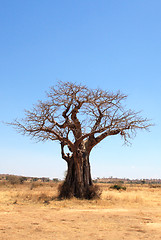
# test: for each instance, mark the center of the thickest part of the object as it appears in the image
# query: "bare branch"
(66, 157)
(74, 115)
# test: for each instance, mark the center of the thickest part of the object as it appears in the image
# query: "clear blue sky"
(108, 44)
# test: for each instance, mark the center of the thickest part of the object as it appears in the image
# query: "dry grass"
(32, 211)
(136, 195)
(37, 193)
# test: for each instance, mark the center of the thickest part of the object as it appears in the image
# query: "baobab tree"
(80, 118)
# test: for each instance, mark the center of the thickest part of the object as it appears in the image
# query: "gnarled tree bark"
(78, 181)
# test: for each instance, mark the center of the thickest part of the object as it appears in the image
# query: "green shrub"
(118, 187)
(55, 180)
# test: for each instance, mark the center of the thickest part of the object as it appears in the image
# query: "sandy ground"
(24, 222)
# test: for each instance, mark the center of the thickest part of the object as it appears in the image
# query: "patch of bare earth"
(76, 219)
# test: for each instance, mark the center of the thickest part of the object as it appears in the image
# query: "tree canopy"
(73, 113)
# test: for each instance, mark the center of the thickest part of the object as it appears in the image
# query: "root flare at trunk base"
(89, 192)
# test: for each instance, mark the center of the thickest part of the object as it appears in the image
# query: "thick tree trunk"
(78, 182)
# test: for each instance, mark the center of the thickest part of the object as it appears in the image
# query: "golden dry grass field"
(32, 211)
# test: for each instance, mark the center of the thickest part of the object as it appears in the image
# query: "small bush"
(55, 180)
(44, 179)
(118, 187)
(35, 179)
(13, 179)
(22, 179)
(154, 186)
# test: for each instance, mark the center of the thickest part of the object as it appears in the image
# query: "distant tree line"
(14, 179)
(127, 181)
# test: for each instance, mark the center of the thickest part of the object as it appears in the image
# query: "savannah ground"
(32, 211)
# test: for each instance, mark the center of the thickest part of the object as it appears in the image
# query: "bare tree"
(80, 118)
